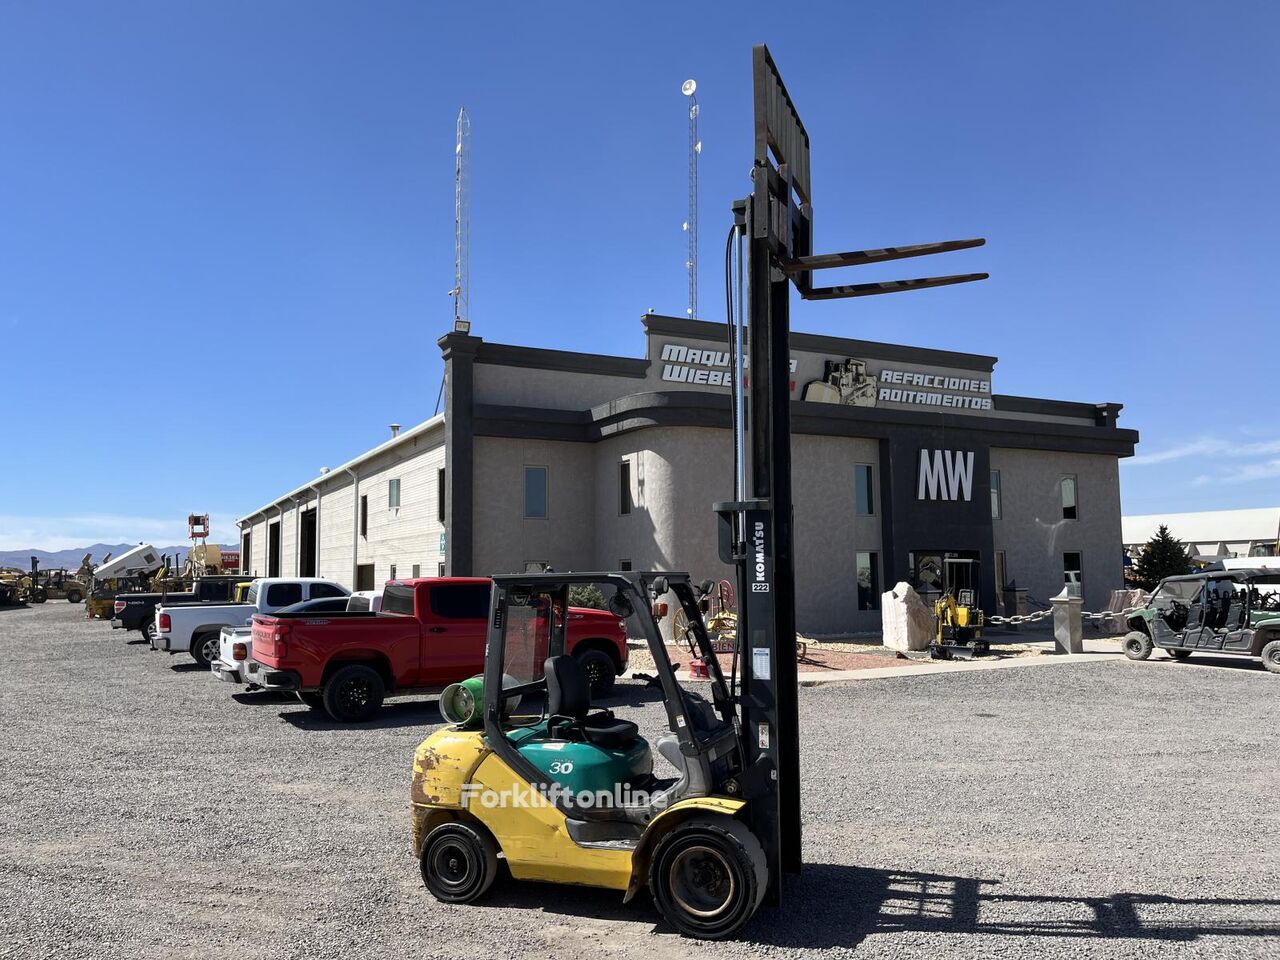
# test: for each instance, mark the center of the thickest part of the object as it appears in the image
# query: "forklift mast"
(775, 225)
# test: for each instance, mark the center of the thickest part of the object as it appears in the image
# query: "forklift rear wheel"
(313, 700)
(1179, 654)
(74, 597)
(708, 876)
(1271, 656)
(600, 671)
(458, 863)
(353, 694)
(1137, 645)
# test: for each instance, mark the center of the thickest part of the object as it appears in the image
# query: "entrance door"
(932, 575)
(273, 549)
(307, 548)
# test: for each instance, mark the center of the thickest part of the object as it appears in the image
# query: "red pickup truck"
(431, 632)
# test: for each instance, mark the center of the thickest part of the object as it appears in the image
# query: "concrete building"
(903, 458)
(1210, 534)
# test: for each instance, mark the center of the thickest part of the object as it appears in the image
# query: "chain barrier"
(1039, 615)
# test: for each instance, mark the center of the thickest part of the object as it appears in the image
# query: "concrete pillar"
(1067, 633)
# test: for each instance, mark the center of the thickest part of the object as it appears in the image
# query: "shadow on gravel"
(839, 906)
(264, 698)
(406, 713)
(856, 903)
(1221, 661)
(189, 666)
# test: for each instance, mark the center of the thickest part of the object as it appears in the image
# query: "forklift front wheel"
(707, 877)
(459, 862)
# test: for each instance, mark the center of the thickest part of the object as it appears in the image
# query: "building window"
(624, 565)
(392, 575)
(417, 571)
(440, 570)
(364, 576)
(364, 516)
(995, 494)
(864, 487)
(1069, 511)
(246, 552)
(1073, 573)
(868, 569)
(393, 494)
(535, 493)
(440, 494)
(624, 487)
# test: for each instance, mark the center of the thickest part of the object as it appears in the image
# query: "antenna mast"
(462, 220)
(689, 89)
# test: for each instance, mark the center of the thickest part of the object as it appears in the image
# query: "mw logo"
(945, 475)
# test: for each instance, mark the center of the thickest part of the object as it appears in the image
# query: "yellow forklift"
(957, 613)
(531, 774)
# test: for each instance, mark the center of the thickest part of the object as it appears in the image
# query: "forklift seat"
(569, 703)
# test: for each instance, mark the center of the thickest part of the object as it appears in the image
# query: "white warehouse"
(374, 518)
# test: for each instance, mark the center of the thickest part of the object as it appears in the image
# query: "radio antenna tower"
(689, 89)
(462, 221)
(461, 291)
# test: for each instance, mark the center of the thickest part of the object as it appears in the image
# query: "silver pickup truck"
(195, 629)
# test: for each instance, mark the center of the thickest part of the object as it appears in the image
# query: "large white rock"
(908, 620)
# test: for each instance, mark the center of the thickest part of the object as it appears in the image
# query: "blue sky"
(226, 227)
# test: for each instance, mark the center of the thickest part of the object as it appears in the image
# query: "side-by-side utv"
(1225, 612)
(567, 793)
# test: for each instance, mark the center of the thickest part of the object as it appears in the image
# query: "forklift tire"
(38, 595)
(1137, 645)
(599, 670)
(74, 597)
(1271, 656)
(353, 694)
(707, 876)
(459, 862)
(1178, 654)
(313, 700)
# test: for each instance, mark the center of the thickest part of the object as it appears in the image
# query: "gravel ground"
(1099, 810)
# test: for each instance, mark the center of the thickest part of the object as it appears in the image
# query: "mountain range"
(70, 559)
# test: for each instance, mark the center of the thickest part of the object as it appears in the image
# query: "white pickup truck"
(194, 628)
(235, 644)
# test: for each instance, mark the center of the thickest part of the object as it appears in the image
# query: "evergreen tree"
(1164, 555)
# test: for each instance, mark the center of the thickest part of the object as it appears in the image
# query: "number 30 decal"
(562, 766)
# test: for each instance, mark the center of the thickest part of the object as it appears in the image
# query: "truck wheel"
(1179, 654)
(458, 863)
(146, 629)
(1137, 645)
(353, 694)
(707, 877)
(599, 670)
(1271, 656)
(74, 597)
(313, 700)
(204, 648)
